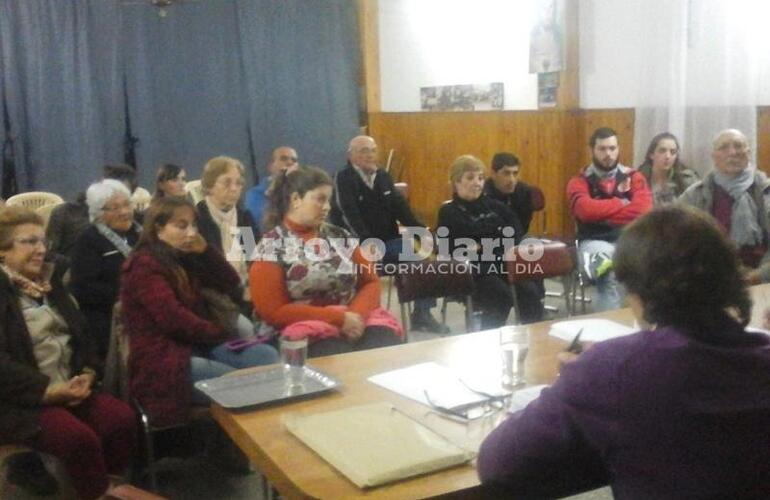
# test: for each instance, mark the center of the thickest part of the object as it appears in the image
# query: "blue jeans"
(609, 293)
(392, 251)
(221, 360)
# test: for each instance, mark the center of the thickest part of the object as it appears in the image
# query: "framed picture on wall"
(547, 89)
(471, 97)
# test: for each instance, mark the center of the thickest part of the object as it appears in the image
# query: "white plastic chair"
(141, 199)
(195, 190)
(34, 199)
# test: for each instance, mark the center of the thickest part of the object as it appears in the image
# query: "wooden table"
(297, 472)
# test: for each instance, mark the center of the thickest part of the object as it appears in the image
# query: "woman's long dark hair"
(166, 172)
(685, 271)
(160, 212)
(300, 181)
(678, 165)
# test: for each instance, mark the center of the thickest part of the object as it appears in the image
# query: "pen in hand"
(575, 346)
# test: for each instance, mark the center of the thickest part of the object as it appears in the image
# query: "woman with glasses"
(98, 254)
(677, 410)
(220, 217)
(47, 367)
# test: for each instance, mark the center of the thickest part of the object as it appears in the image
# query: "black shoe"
(424, 321)
(27, 471)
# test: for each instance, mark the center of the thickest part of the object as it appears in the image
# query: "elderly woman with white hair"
(99, 253)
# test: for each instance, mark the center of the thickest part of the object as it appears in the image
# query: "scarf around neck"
(601, 174)
(744, 220)
(36, 289)
(119, 242)
(231, 245)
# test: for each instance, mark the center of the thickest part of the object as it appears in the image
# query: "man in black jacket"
(504, 186)
(367, 204)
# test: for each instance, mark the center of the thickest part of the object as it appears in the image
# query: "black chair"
(116, 382)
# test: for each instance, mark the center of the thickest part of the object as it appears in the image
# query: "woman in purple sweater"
(679, 410)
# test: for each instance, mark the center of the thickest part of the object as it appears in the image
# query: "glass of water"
(293, 356)
(514, 347)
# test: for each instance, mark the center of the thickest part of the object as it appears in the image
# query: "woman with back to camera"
(678, 410)
(174, 342)
(48, 368)
(325, 298)
(667, 176)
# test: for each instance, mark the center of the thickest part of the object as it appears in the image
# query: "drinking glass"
(514, 347)
(293, 357)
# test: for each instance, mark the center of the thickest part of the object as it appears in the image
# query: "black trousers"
(373, 337)
(493, 298)
(530, 295)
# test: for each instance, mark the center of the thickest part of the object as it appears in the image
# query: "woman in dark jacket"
(98, 254)
(173, 339)
(219, 214)
(473, 215)
(47, 371)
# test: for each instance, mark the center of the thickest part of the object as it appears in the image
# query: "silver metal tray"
(270, 385)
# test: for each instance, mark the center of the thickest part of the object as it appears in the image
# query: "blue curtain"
(211, 77)
(185, 84)
(301, 61)
(61, 67)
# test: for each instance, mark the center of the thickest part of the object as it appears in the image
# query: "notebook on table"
(375, 444)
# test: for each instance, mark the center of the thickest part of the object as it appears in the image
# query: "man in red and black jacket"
(604, 197)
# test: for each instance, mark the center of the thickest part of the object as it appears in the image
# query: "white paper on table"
(521, 398)
(594, 330)
(444, 386)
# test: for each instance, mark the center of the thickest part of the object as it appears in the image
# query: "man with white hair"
(366, 203)
(737, 194)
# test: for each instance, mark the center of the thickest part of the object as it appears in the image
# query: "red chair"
(435, 279)
(556, 261)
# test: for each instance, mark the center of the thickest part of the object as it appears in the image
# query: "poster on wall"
(545, 40)
(547, 89)
(472, 97)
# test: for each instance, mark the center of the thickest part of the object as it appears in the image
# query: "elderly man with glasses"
(737, 194)
(367, 204)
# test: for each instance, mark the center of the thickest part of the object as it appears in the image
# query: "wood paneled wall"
(552, 146)
(763, 138)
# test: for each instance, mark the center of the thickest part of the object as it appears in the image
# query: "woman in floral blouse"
(308, 277)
